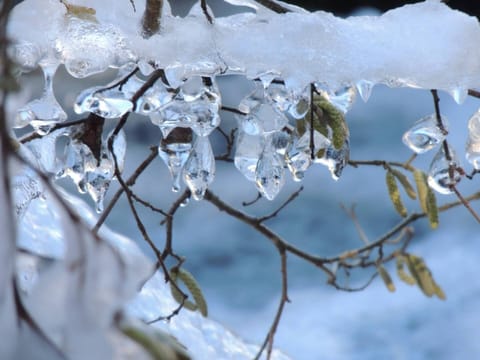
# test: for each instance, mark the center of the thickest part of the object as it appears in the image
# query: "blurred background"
(239, 271)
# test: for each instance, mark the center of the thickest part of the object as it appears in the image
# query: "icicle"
(175, 152)
(425, 134)
(364, 88)
(459, 94)
(199, 170)
(204, 107)
(247, 153)
(439, 178)
(472, 152)
(45, 112)
(342, 98)
(270, 174)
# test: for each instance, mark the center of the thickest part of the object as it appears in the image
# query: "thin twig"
(147, 204)
(203, 4)
(292, 197)
(272, 5)
(152, 17)
(465, 203)
(168, 248)
(130, 182)
(268, 342)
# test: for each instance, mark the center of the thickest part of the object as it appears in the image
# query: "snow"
(76, 296)
(406, 46)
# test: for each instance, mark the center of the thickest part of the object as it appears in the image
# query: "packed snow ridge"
(425, 45)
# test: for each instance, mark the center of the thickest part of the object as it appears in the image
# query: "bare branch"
(151, 17)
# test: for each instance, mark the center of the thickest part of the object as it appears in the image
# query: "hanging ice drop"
(45, 112)
(109, 104)
(425, 134)
(336, 159)
(472, 151)
(459, 94)
(270, 174)
(247, 152)
(199, 170)
(342, 98)
(299, 154)
(174, 150)
(443, 173)
(364, 88)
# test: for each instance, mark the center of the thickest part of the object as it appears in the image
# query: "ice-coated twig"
(152, 17)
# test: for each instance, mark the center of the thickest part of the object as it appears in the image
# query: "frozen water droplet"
(279, 140)
(192, 88)
(425, 134)
(364, 88)
(249, 124)
(252, 100)
(174, 114)
(443, 173)
(269, 119)
(97, 184)
(77, 161)
(185, 202)
(248, 150)
(204, 112)
(459, 94)
(472, 152)
(108, 104)
(299, 154)
(145, 67)
(175, 155)
(119, 149)
(278, 96)
(270, 174)
(300, 104)
(45, 112)
(342, 98)
(175, 75)
(336, 159)
(199, 170)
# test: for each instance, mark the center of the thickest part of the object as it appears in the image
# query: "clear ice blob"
(269, 119)
(300, 104)
(248, 150)
(299, 154)
(279, 140)
(44, 113)
(443, 173)
(252, 100)
(279, 96)
(335, 159)
(109, 104)
(270, 174)
(364, 88)
(249, 124)
(472, 150)
(192, 89)
(199, 170)
(155, 98)
(175, 155)
(425, 134)
(459, 94)
(342, 98)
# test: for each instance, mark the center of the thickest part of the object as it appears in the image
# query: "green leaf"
(407, 186)
(160, 345)
(387, 280)
(423, 276)
(394, 194)
(192, 286)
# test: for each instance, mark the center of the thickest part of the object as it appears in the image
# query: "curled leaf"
(187, 278)
(401, 260)
(426, 197)
(407, 186)
(159, 345)
(423, 277)
(386, 278)
(395, 194)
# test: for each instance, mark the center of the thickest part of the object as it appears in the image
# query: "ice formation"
(304, 54)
